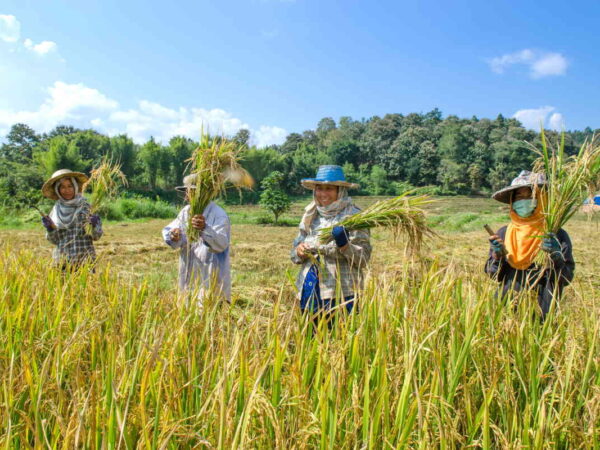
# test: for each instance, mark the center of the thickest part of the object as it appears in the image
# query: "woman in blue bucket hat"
(334, 280)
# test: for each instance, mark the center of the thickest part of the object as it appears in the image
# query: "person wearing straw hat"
(204, 265)
(514, 248)
(68, 224)
(331, 273)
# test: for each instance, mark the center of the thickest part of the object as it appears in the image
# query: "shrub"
(137, 208)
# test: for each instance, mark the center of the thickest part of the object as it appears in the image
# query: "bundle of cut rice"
(215, 162)
(403, 214)
(570, 179)
(104, 185)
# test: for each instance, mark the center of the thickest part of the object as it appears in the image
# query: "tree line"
(386, 155)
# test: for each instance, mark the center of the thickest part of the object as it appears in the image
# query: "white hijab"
(327, 212)
(64, 212)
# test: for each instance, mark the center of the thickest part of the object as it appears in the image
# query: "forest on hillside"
(386, 155)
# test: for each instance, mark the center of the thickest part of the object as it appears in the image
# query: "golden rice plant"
(104, 183)
(215, 162)
(570, 179)
(403, 214)
(433, 359)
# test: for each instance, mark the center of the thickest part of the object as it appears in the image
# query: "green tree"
(242, 137)
(377, 180)
(20, 183)
(21, 140)
(122, 151)
(61, 154)
(181, 149)
(273, 198)
(150, 159)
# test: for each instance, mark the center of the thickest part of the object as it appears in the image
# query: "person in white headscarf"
(333, 281)
(70, 226)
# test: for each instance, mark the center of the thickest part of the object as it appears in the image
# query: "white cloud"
(535, 118)
(541, 64)
(10, 31)
(548, 65)
(10, 28)
(500, 63)
(266, 135)
(42, 48)
(66, 103)
(79, 105)
(556, 122)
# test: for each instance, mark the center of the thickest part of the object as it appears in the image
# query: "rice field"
(114, 359)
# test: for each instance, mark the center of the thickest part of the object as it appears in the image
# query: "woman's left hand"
(340, 235)
(199, 222)
(551, 245)
(94, 219)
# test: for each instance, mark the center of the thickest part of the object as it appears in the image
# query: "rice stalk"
(570, 179)
(104, 183)
(215, 163)
(403, 214)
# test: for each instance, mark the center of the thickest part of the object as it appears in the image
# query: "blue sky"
(277, 66)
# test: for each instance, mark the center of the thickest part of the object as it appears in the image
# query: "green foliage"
(123, 152)
(61, 154)
(19, 184)
(272, 198)
(150, 159)
(21, 140)
(137, 208)
(385, 155)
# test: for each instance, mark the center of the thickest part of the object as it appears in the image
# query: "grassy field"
(115, 360)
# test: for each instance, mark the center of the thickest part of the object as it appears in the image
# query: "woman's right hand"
(496, 244)
(48, 223)
(175, 234)
(302, 250)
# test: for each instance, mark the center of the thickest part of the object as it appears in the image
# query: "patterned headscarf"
(64, 212)
(327, 212)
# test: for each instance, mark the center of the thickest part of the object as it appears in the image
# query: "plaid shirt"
(73, 244)
(343, 267)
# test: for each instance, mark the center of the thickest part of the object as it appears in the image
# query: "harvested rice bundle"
(215, 163)
(404, 214)
(570, 180)
(104, 183)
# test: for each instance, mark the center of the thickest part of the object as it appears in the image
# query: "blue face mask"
(524, 208)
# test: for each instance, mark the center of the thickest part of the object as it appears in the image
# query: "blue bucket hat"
(332, 175)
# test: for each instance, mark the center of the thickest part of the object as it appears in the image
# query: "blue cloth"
(310, 297)
(340, 235)
(597, 200)
(328, 174)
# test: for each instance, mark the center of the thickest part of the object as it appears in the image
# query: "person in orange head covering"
(514, 248)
